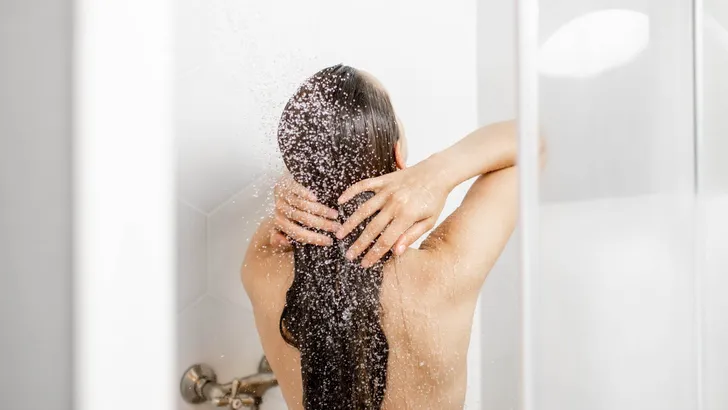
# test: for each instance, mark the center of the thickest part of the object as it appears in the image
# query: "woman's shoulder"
(423, 272)
(264, 270)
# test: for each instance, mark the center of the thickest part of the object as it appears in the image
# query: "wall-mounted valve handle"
(199, 385)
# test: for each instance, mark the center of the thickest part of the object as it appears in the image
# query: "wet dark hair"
(339, 128)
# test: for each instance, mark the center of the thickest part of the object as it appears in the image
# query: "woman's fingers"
(363, 212)
(370, 233)
(412, 235)
(308, 219)
(371, 184)
(311, 207)
(300, 233)
(385, 242)
(297, 203)
(289, 185)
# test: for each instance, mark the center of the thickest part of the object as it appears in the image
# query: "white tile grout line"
(227, 301)
(277, 169)
(192, 304)
(208, 262)
(205, 290)
(189, 205)
(259, 177)
(208, 269)
(256, 178)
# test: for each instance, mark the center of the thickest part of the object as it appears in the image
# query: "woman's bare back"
(428, 295)
(426, 323)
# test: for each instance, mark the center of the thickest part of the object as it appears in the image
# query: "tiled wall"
(214, 320)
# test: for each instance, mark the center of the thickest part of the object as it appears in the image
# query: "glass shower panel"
(713, 199)
(613, 299)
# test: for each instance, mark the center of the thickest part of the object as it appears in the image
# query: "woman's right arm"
(475, 234)
(477, 231)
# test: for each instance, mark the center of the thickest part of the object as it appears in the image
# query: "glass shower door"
(611, 315)
(712, 93)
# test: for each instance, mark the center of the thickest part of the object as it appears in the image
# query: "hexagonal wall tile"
(229, 230)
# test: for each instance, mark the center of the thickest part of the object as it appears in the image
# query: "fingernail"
(349, 255)
(333, 214)
(365, 264)
(399, 250)
(340, 234)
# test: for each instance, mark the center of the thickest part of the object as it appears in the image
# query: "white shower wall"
(215, 324)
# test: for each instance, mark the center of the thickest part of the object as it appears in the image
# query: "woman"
(348, 315)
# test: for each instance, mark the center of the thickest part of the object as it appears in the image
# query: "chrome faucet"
(199, 385)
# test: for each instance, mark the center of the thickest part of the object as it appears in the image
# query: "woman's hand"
(295, 204)
(409, 202)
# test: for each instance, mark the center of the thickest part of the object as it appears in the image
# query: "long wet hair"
(338, 128)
